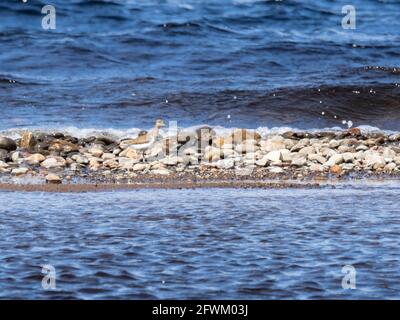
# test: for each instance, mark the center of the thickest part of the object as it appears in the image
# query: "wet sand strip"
(93, 187)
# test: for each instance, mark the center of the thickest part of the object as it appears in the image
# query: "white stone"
(315, 167)
(108, 156)
(249, 162)
(327, 152)
(389, 167)
(289, 143)
(348, 157)
(127, 163)
(171, 160)
(317, 157)
(97, 152)
(389, 153)
(140, 166)
(15, 156)
(226, 164)
(76, 166)
(274, 155)
(129, 153)
(299, 161)
(53, 162)
(155, 151)
(298, 146)
(228, 152)
(287, 155)
(334, 143)
(262, 162)
(157, 165)
(273, 144)
(335, 159)
(345, 149)
(19, 171)
(394, 137)
(53, 178)
(193, 160)
(251, 155)
(111, 163)
(347, 166)
(359, 155)
(35, 159)
(80, 159)
(3, 164)
(361, 147)
(373, 158)
(307, 150)
(94, 164)
(250, 142)
(275, 170)
(163, 172)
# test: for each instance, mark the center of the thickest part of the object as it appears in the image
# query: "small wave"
(15, 78)
(93, 3)
(181, 28)
(391, 70)
(117, 134)
(178, 25)
(16, 133)
(376, 105)
(6, 80)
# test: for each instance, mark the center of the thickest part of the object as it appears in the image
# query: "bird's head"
(160, 123)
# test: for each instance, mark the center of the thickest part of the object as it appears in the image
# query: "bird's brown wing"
(140, 140)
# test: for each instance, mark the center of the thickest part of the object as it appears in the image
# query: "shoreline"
(315, 183)
(196, 159)
(101, 187)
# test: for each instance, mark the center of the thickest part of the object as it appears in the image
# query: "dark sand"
(224, 179)
(92, 187)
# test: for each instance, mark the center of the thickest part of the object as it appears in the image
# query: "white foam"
(75, 132)
(115, 133)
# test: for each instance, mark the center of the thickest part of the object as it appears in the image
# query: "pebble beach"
(197, 158)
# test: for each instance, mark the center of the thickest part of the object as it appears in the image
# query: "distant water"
(145, 244)
(121, 64)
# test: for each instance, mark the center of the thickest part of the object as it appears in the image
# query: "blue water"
(116, 63)
(271, 244)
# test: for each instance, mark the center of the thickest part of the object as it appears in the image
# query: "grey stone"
(7, 144)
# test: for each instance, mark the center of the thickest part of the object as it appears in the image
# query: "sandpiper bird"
(146, 139)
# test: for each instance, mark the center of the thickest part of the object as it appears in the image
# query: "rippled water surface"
(204, 243)
(121, 64)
